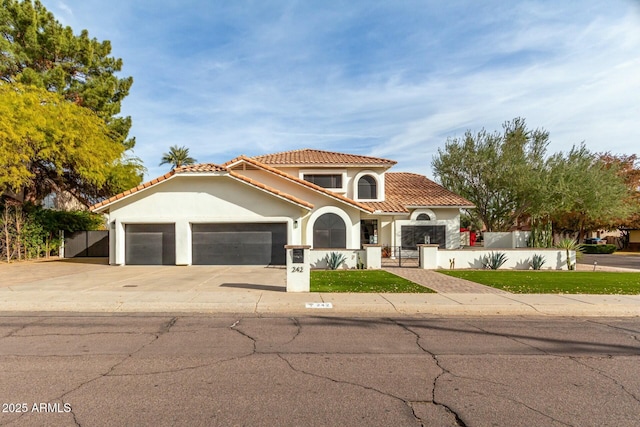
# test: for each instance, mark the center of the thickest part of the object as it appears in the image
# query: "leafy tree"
(78, 145)
(589, 194)
(508, 176)
(48, 143)
(177, 156)
(37, 50)
(628, 167)
(500, 173)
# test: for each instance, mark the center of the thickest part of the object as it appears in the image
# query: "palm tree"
(177, 156)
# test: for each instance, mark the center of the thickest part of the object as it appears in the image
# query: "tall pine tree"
(36, 50)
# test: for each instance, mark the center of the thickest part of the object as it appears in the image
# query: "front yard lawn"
(553, 282)
(372, 281)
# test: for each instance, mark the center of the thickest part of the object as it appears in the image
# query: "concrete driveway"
(90, 286)
(96, 275)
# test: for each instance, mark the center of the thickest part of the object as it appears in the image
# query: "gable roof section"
(197, 169)
(404, 190)
(296, 200)
(256, 163)
(310, 157)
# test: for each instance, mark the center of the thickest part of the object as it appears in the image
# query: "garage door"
(239, 244)
(150, 244)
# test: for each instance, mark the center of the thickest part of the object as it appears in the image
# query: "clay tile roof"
(409, 189)
(310, 157)
(203, 167)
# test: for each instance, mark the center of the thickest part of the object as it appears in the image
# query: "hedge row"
(598, 249)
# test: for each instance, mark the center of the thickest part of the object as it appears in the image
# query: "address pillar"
(298, 268)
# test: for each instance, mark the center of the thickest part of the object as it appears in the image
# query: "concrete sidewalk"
(58, 286)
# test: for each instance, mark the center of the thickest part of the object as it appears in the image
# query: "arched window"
(423, 217)
(329, 231)
(367, 188)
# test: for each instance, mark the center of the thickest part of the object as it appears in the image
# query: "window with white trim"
(325, 181)
(367, 188)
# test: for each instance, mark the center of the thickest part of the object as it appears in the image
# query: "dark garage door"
(239, 244)
(150, 244)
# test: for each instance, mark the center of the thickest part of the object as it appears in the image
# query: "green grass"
(554, 282)
(372, 281)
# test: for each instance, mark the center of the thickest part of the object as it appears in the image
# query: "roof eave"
(440, 206)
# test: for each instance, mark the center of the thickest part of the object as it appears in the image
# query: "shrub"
(599, 249)
(570, 245)
(537, 261)
(335, 260)
(494, 260)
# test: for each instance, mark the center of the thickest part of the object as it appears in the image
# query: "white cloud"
(375, 79)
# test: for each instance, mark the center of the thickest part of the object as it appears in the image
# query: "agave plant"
(537, 261)
(335, 260)
(570, 245)
(494, 260)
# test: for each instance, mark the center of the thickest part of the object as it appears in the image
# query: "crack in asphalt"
(164, 328)
(234, 327)
(633, 332)
(80, 334)
(459, 421)
(24, 326)
(605, 375)
(333, 380)
(534, 410)
(296, 322)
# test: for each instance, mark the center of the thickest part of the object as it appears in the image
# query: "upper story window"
(367, 188)
(325, 181)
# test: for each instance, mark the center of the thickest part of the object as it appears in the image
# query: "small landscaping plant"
(570, 245)
(537, 261)
(494, 260)
(335, 260)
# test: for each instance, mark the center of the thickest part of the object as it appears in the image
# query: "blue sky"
(392, 79)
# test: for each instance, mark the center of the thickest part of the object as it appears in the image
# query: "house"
(246, 210)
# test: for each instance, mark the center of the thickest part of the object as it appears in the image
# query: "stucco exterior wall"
(518, 259)
(506, 240)
(318, 258)
(185, 200)
(322, 204)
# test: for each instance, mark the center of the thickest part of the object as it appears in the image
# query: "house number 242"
(297, 269)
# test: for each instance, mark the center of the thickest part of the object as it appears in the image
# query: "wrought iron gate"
(396, 256)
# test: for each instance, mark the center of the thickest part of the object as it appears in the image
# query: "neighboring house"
(63, 201)
(246, 210)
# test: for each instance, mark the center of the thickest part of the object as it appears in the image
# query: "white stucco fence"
(317, 257)
(506, 240)
(433, 258)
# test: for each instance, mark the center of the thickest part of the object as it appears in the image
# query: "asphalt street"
(167, 370)
(607, 260)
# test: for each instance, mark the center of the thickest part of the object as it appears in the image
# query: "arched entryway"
(329, 231)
